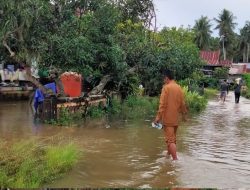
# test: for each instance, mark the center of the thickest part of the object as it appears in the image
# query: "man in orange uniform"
(172, 103)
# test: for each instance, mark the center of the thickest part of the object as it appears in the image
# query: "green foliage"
(210, 93)
(214, 43)
(67, 117)
(244, 42)
(194, 101)
(202, 30)
(133, 107)
(226, 25)
(136, 107)
(141, 10)
(108, 38)
(32, 163)
(210, 82)
(221, 73)
(96, 112)
(246, 92)
(246, 78)
(177, 35)
(115, 107)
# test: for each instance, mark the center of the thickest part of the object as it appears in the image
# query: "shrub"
(210, 93)
(67, 117)
(96, 112)
(221, 73)
(194, 101)
(210, 82)
(246, 77)
(246, 92)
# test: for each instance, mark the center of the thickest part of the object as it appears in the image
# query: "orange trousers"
(170, 134)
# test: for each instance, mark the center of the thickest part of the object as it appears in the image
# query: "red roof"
(225, 62)
(211, 57)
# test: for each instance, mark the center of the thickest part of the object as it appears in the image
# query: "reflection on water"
(213, 149)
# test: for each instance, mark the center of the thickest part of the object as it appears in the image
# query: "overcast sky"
(172, 13)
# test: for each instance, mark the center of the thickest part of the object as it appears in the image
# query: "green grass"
(210, 93)
(136, 107)
(33, 163)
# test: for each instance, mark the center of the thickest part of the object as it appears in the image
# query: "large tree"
(226, 26)
(107, 40)
(24, 26)
(202, 31)
(244, 43)
(138, 11)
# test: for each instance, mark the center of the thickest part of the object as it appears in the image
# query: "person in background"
(237, 91)
(223, 90)
(171, 105)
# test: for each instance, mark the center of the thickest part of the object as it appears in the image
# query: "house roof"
(212, 58)
(237, 69)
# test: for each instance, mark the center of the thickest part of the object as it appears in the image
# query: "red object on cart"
(72, 84)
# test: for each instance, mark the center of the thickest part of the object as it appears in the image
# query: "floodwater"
(213, 149)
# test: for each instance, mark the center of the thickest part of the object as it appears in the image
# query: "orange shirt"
(172, 103)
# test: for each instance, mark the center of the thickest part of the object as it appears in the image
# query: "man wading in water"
(223, 90)
(172, 103)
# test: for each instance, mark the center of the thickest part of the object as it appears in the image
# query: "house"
(238, 69)
(248, 67)
(212, 59)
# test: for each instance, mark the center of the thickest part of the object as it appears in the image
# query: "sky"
(176, 13)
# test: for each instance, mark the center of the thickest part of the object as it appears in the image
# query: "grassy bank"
(33, 163)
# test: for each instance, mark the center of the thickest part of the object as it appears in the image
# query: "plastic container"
(72, 84)
(157, 125)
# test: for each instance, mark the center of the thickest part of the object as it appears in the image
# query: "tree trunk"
(247, 52)
(5, 44)
(244, 54)
(99, 88)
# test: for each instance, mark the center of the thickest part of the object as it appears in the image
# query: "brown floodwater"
(213, 148)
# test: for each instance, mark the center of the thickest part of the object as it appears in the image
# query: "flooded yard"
(213, 148)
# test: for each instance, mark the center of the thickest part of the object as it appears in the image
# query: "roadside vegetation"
(134, 107)
(246, 92)
(34, 163)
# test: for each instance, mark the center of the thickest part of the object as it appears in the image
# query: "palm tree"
(202, 32)
(226, 25)
(245, 41)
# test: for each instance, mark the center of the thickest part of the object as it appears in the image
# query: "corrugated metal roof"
(212, 58)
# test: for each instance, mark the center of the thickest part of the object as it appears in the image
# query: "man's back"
(173, 101)
(237, 88)
(224, 87)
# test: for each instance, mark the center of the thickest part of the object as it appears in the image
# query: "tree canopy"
(111, 39)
